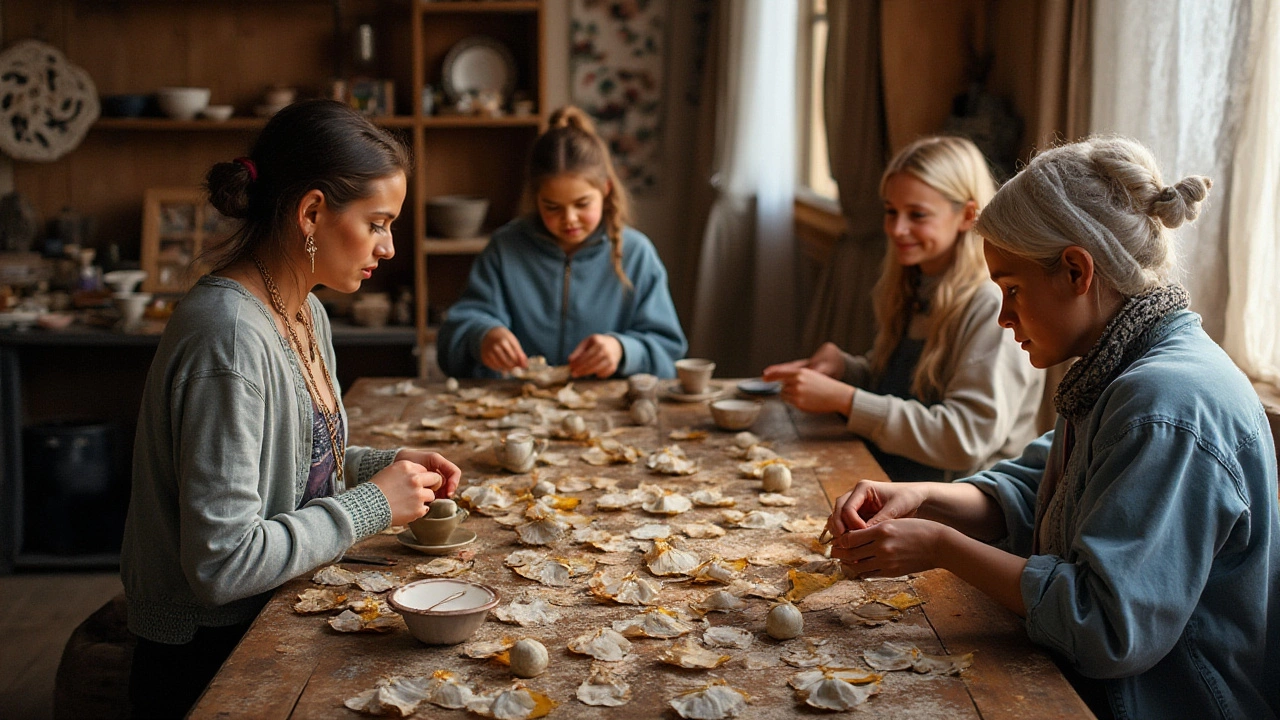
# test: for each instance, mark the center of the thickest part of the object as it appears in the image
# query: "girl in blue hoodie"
(572, 282)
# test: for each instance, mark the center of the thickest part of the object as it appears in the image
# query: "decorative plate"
(756, 386)
(46, 103)
(478, 63)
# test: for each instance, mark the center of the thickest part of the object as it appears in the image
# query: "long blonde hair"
(955, 168)
(571, 145)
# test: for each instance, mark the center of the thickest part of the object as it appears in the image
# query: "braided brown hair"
(571, 145)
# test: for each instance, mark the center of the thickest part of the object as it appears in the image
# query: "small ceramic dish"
(459, 538)
(673, 391)
(756, 386)
(437, 619)
(735, 414)
(218, 113)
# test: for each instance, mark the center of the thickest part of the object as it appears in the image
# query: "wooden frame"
(177, 225)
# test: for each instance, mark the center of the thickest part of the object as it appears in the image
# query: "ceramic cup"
(695, 375)
(435, 530)
(518, 451)
(642, 386)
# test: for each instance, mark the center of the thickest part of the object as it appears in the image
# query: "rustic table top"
(292, 665)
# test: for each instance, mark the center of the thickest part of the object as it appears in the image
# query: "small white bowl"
(182, 103)
(124, 281)
(218, 113)
(735, 414)
(131, 306)
(450, 622)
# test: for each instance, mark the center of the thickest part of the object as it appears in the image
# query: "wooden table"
(289, 665)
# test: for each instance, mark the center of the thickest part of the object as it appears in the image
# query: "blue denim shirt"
(1169, 593)
(552, 301)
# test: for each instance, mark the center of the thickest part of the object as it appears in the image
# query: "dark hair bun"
(228, 186)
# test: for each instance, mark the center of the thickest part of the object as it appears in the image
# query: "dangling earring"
(311, 252)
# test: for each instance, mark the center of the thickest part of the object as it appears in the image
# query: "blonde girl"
(944, 390)
(572, 283)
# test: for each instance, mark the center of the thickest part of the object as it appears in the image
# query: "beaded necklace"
(313, 387)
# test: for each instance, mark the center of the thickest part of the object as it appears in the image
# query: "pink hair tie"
(248, 165)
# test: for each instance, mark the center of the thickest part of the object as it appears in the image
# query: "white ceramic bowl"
(735, 414)
(124, 281)
(182, 103)
(456, 216)
(131, 306)
(218, 113)
(449, 623)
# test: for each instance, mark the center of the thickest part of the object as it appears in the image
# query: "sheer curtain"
(1253, 234)
(1169, 74)
(744, 314)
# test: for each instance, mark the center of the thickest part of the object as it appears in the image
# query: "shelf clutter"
(461, 81)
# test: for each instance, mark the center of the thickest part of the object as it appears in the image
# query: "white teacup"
(518, 451)
(695, 375)
(434, 528)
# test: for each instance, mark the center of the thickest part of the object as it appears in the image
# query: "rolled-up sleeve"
(1156, 510)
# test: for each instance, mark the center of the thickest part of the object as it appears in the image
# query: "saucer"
(756, 386)
(673, 391)
(460, 537)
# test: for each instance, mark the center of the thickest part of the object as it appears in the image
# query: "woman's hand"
(890, 548)
(811, 391)
(500, 351)
(828, 360)
(597, 355)
(436, 463)
(409, 488)
(870, 503)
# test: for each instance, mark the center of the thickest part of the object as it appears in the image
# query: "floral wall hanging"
(617, 65)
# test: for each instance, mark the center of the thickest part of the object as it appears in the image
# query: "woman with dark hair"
(242, 478)
(572, 283)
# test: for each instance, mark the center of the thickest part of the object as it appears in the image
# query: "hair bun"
(228, 186)
(571, 116)
(1180, 203)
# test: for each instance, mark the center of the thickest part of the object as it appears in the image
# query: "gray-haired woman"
(1140, 538)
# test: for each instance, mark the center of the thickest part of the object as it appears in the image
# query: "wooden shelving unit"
(470, 155)
(240, 49)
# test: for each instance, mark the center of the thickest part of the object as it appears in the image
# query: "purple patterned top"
(320, 480)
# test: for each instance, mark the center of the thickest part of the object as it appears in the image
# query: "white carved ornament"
(46, 103)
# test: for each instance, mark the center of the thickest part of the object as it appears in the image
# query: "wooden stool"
(93, 675)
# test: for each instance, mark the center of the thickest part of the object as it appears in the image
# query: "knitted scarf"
(1123, 341)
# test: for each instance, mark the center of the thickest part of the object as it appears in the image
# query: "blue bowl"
(124, 105)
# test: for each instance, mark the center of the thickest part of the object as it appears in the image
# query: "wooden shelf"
(454, 246)
(478, 6)
(477, 121)
(235, 123)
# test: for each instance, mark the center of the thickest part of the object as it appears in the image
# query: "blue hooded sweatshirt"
(552, 301)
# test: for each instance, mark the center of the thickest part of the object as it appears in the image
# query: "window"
(815, 171)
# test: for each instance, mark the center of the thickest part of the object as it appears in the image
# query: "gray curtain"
(841, 310)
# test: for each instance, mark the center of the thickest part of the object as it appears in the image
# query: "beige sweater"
(988, 409)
